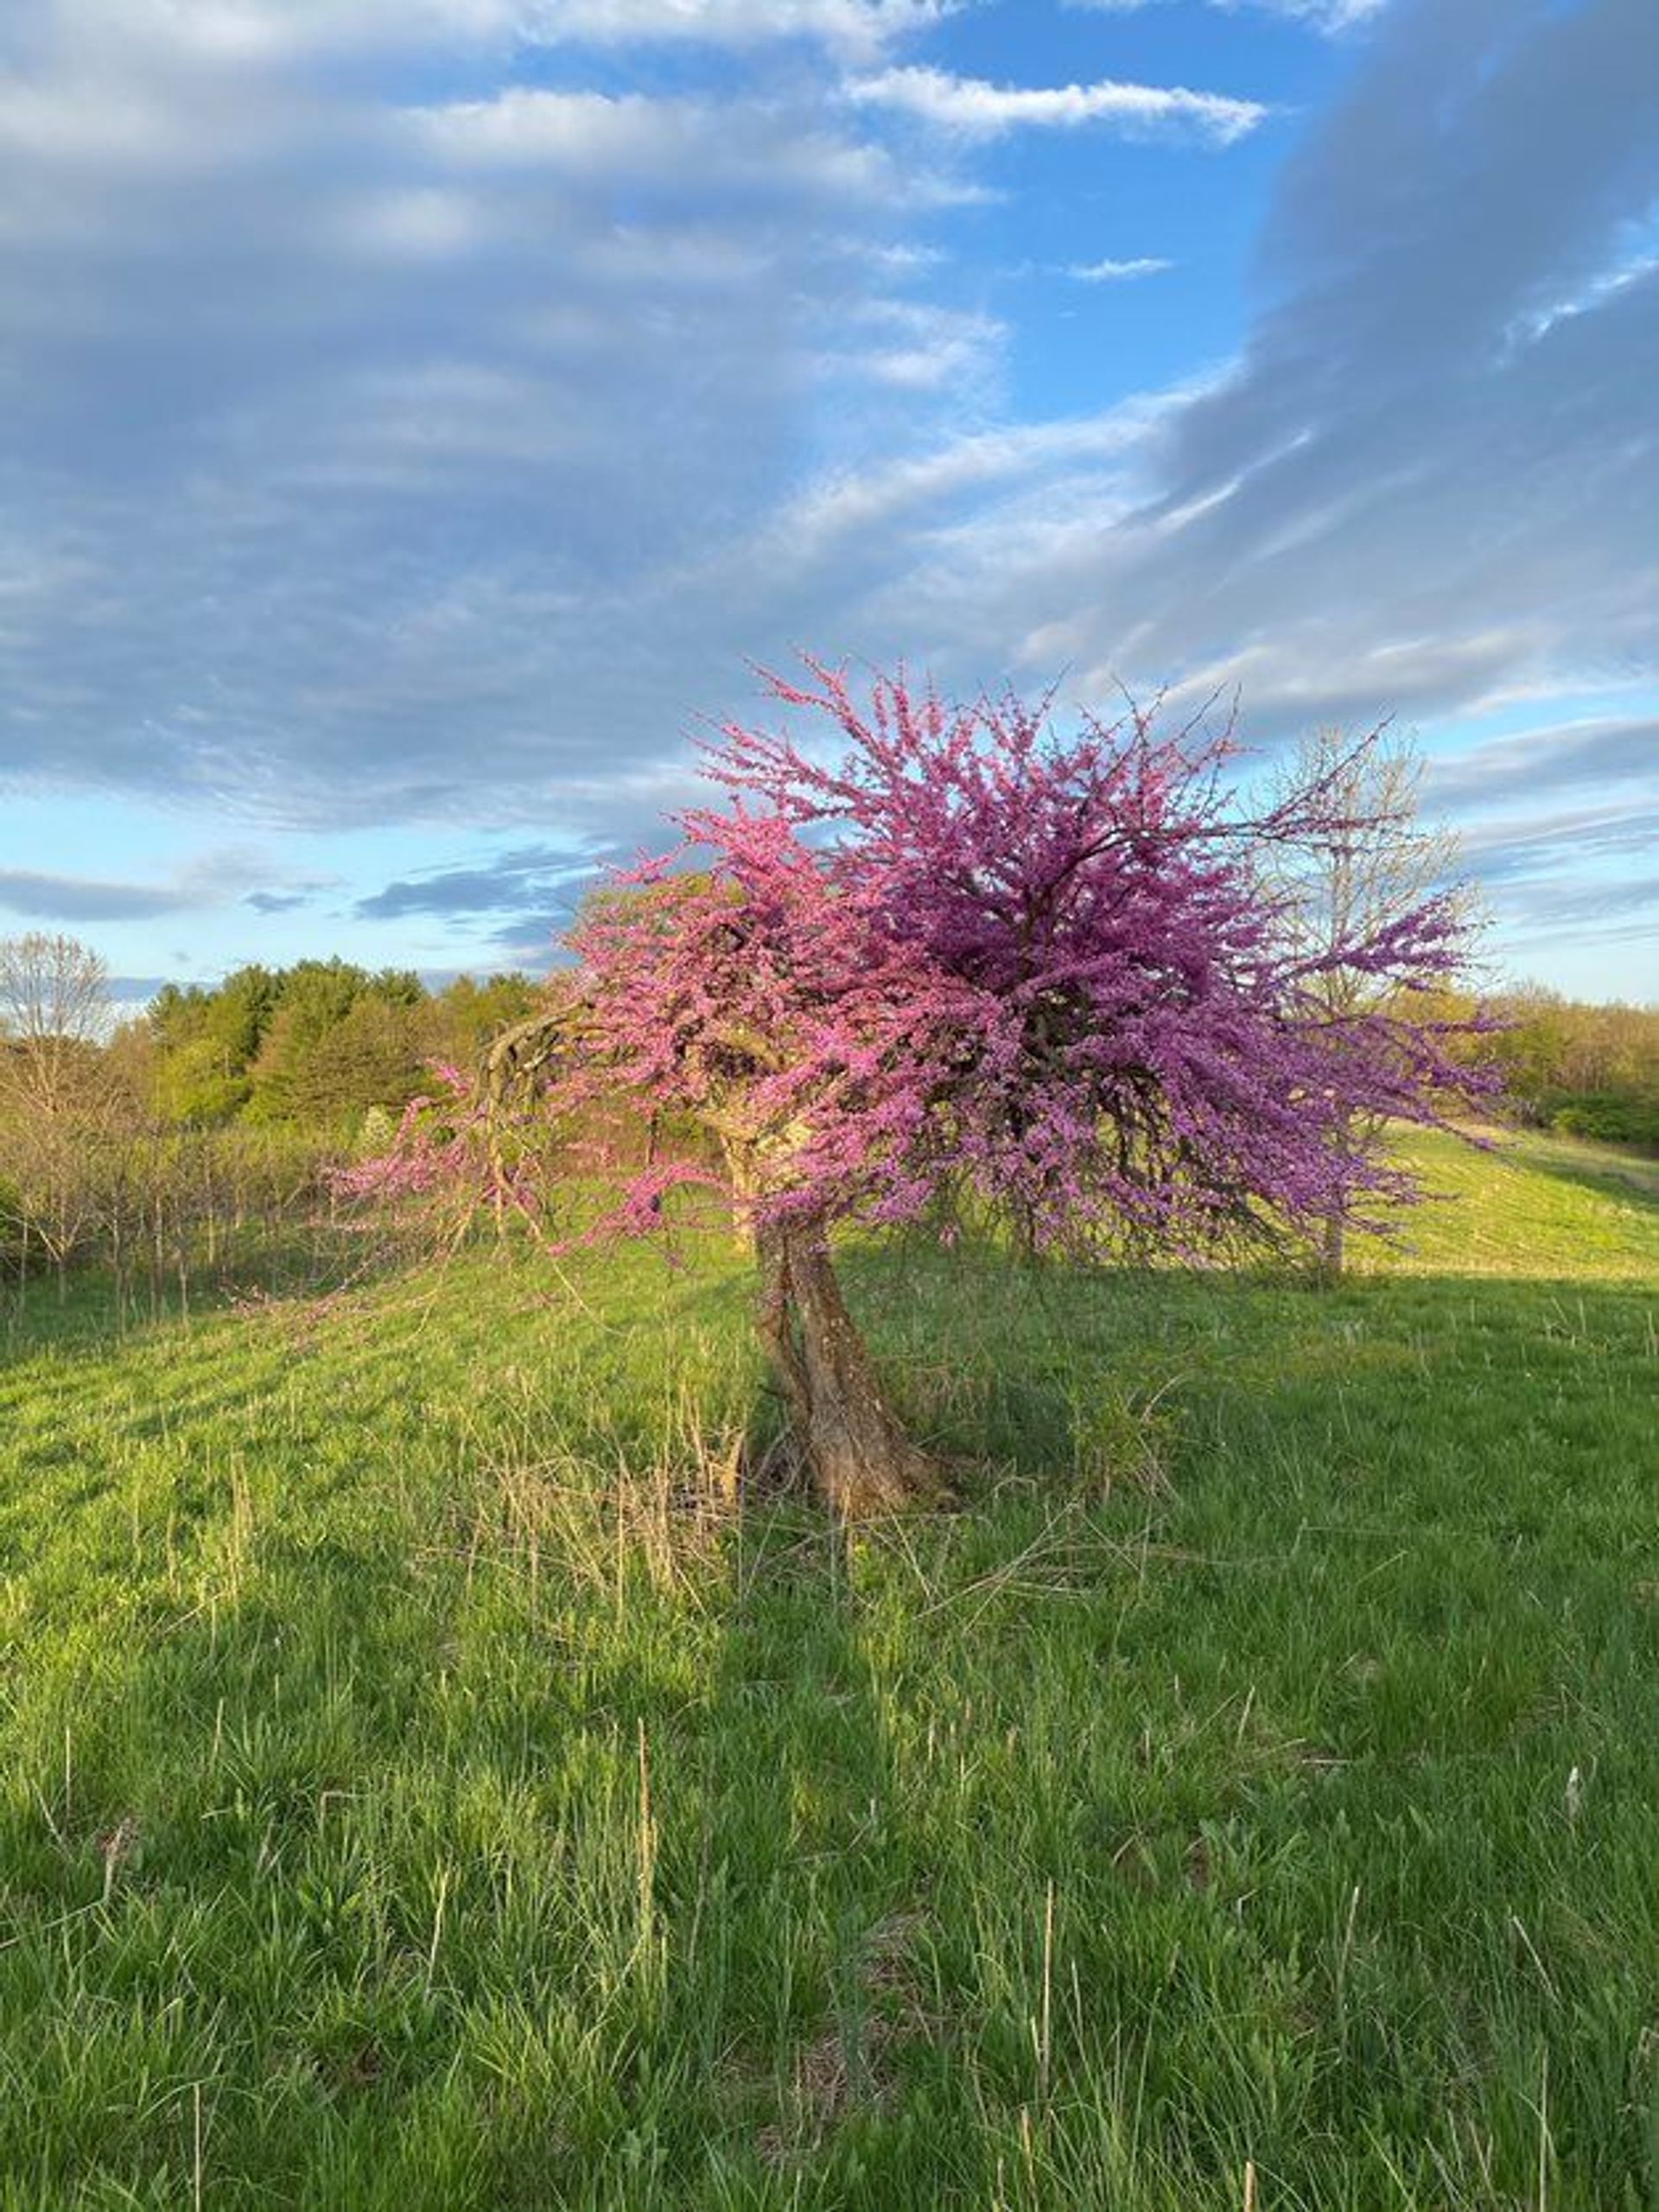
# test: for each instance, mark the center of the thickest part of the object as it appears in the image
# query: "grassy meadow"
(424, 1787)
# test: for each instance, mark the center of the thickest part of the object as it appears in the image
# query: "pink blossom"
(965, 953)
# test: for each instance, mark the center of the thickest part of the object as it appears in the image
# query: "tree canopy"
(958, 951)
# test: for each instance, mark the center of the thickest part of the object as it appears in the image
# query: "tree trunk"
(856, 1451)
(1350, 1143)
(1331, 1242)
(739, 1169)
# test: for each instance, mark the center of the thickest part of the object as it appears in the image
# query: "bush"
(1610, 1117)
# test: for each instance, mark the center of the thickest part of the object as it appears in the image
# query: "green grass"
(422, 1787)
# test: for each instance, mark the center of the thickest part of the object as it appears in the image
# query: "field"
(426, 1787)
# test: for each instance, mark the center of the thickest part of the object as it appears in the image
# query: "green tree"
(464, 1017)
(340, 1039)
(370, 1057)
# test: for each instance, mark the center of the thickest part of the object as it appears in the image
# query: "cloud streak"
(1114, 272)
(856, 26)
(46, 897)
(344, 490)
(41, 896)
(1329, 15)
(526, 877)
(970, 108)
(1599, 751)
(274, 34)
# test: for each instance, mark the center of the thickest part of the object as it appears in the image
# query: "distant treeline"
(194, 1133)
(317, 1045)
(217, 1115)
(1587, 1070)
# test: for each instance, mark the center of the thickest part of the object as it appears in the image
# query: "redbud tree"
(957, 957)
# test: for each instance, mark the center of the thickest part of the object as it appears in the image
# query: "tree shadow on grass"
(797, 1849)
(294, 1272)
(1607, 1174)
(476, 1861)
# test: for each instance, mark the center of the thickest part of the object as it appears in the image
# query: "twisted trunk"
(856, 1452)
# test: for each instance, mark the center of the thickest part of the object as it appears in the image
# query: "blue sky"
(416, 413)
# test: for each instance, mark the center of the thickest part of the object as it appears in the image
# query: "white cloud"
(933, 485)
(1114, 272)
(971, 108)
(1590, 751)
(207, 880)
(266, 33)
(914, 346)
(857, 26)
(330, 491)
(1386, 504)
(417, 223)
(263, 35)
(1331, 15)
(633, 139)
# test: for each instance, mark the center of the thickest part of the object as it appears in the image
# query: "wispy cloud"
(509, 882)
(1570, 871)
(344, 489)
(944, 489)
(1342, 524)
(1331, 15)
(1595, 751)
(855, 25)
(1552, 840)
(1113, 272)
(80, 899)
(971, 108)
(269, 33)
(40, 896)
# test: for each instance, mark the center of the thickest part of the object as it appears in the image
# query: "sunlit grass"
(1533, 1205)
(425, 1786)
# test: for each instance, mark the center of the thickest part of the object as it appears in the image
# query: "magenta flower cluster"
(953, 951)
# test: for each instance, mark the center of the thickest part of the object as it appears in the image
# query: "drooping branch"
(517, 1057)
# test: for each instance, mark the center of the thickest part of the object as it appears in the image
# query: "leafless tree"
(54, 1014)
(1379, 863)
(58, 1100)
